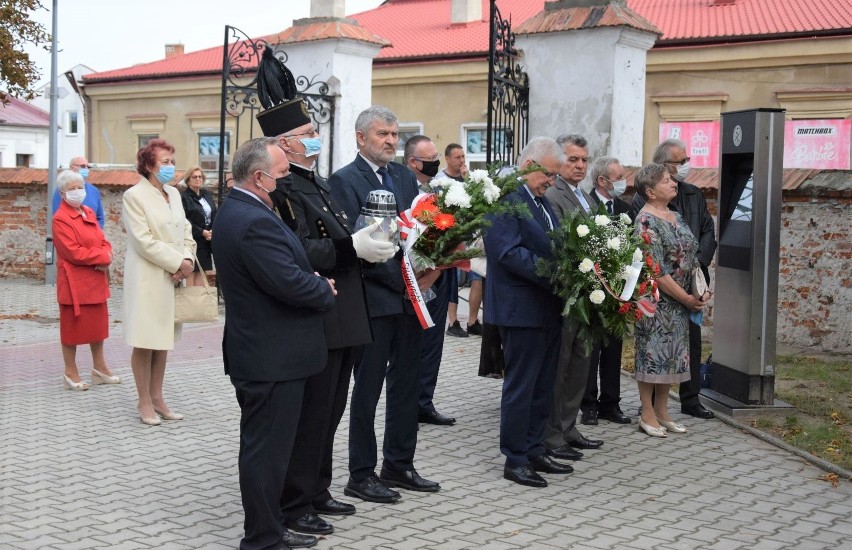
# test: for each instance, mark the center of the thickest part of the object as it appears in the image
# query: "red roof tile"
(574, 18)
(21, 113)
(38, 176)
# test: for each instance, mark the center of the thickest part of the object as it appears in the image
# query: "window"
(406, 132)
(476, 144)
(143, 139)
(208, 151)
(71, 123)
(23, 160)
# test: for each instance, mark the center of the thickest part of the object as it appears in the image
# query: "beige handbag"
(196, 304)
(699, 283)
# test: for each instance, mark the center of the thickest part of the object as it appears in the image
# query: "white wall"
(23, 140)
(68, 145)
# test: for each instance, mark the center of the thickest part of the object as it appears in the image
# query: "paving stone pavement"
(78, 469)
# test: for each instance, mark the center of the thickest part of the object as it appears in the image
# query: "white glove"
(369, 249)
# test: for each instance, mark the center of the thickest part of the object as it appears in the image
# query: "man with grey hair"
(397, 335)
(274, 338)
(528, 315)
(607, 176)
(692, 207)
(93, 197)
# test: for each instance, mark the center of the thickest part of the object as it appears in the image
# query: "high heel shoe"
(71, 385)
(100, 378)
(672, 426)
(651, 430)
(168, 415)
(151, 420)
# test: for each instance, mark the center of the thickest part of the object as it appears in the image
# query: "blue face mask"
(84, 173)
(312, 146)
(166, 174)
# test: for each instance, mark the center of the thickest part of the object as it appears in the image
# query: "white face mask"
(683, 171)
(618, 188)
(75, 197)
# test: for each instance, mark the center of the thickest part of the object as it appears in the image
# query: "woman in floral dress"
(662, 341)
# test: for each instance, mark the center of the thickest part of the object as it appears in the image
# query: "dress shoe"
(547, 465)
(698, 411)
(565, 453)
(652, 430)
(583, 443)
(71, 385)
(310, 524)
(295, 540)
(475, 328)
(456, 330)
(615, 415)
(99, 378)
(524, 475)
(332, 507)
(408, 479)
(168, 415)
(434, 417)
(672, 426)
(370, 489)
(589, 418)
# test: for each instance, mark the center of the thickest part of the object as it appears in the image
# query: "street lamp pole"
(49, 253)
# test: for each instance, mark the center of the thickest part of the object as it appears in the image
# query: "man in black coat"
(304, 203)
(273, 338)
(692, 207)
(607, 175)
(397, 333)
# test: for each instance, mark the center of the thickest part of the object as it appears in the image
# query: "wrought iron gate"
(508, 94)
(240, 56)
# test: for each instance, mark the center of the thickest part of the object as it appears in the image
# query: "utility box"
(749, 229)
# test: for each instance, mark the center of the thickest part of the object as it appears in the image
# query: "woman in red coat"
(82, 286)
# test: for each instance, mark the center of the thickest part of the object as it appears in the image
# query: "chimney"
(173, 50)
(465, 11)
(328, 8)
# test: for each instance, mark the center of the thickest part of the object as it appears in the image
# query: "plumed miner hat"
(276, 90)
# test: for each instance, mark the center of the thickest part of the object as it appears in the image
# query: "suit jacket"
(349, 189)
(80, 247)
(275, 304)
(563, 199)
(692, 207)
(327, 238)
(619, 206)
(515, 295)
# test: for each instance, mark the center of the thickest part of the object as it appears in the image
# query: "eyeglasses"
(679, 162)
(199, 177)
(430, 159)
(312, 132)
(80, 166)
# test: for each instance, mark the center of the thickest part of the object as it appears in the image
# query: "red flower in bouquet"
(425, 210)
(444, 221)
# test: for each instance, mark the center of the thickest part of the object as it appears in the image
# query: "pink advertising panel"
(817, 144)
(701, 139)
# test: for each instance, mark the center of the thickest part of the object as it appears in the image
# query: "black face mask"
(282, 190)
(430, 167)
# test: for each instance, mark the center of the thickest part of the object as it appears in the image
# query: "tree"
(18, 73)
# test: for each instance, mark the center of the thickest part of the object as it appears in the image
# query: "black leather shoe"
(698, 411)
(434, 417)
(583, 443)
(295, 540)
(456, 330)
(524, 475)
(589, 418)
(547, 465)
(615, 415)
(310, 524)
(371, 490)
(408, 479)
(333, 507)
(565, 453)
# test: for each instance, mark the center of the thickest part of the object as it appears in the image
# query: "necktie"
(582, 199)
(387, 181)
(547, 219)
(609, 207)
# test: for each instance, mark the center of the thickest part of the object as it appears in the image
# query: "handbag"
(196, 304)
(699, 283)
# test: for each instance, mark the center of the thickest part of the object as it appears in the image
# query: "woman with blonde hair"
(159, 256)
(200, 209)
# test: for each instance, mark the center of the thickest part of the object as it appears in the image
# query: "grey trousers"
(572, 373)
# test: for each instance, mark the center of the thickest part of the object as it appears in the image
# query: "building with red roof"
(24, 129)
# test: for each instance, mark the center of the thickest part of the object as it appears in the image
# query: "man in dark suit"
(607, 175)
(274, 337)
(528, 314)
(304, 202)
(397, 334)
(563, 437)
(692, 207)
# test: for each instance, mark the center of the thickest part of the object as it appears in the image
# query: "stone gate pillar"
(586, 64)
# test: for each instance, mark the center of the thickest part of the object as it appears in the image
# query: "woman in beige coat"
(159, 255)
